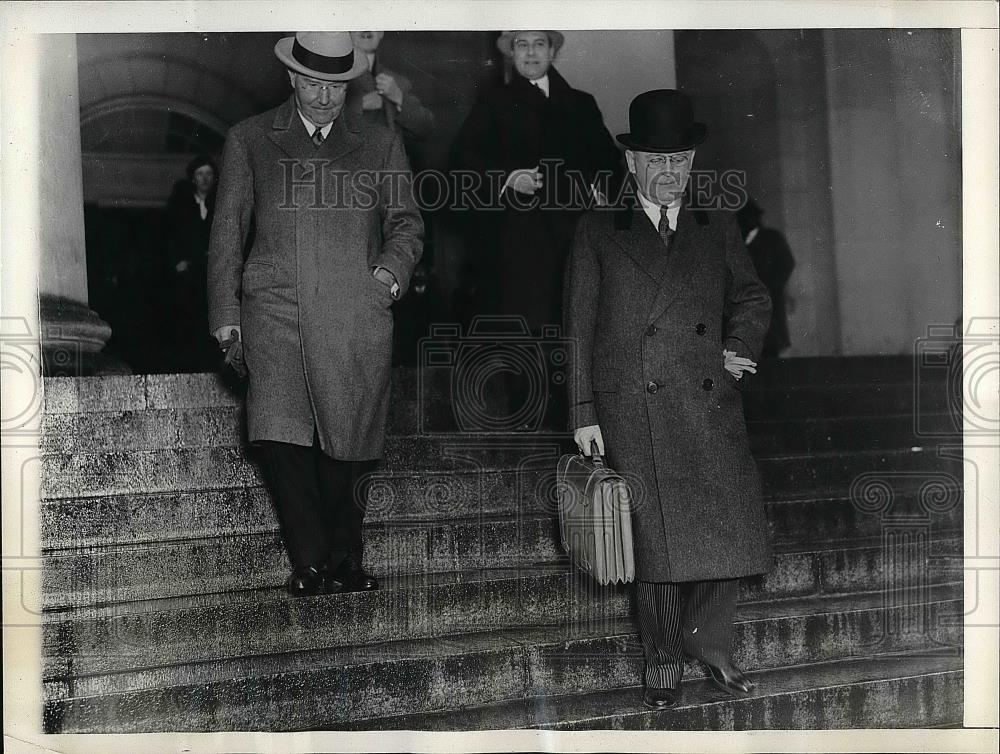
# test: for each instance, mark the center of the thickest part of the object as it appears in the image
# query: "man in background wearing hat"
(667, 315)
(311, 302)
(547, 144)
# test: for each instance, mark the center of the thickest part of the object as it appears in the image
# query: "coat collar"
(527, 92)
(289, 134)
(639, 240)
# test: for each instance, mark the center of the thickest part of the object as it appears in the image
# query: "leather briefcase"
(595, 518)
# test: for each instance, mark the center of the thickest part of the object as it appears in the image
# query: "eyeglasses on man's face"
(673, 160)
(314, 86)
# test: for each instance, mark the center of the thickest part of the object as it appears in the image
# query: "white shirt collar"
(653, 211)
(311, 127)
(542, 83)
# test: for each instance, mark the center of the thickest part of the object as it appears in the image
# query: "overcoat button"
(700, 328)
(651, 330)
(652, 387)
(707, 384)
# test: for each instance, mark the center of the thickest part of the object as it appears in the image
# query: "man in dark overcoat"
(311, 303)
(535, 149)
(666, 315)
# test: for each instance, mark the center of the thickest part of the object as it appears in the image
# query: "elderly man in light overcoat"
(331, 253)
(667, 315)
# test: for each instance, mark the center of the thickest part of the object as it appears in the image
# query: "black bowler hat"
(662, 121)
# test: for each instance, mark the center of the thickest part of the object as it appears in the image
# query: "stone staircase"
(163, 571)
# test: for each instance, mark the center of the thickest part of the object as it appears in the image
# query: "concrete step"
(222, 426)
(159, 517)
(907, 690)
(320, 688)
(111, 576)
(251, 561)
(139, 392)
(73, 475)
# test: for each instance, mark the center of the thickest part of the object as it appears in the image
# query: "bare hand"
(386, 86)
(182, 266)
(224, 333)
(737, 365)
(585, 436)
(525, 180)
(371, 101)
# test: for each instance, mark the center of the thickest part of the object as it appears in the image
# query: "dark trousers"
(693, 618)
(320, 501)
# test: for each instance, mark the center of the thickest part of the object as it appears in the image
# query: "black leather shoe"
(353, 576)
(730, 679)
(660, 699)
(307, 581)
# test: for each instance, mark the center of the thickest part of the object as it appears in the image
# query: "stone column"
(72, 334)
(896, 184)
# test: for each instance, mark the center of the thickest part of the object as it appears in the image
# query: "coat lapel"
(342, 139)
(289, 134)
(642, 244)
(681, 261)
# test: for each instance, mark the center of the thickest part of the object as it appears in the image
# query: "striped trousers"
(693, 618)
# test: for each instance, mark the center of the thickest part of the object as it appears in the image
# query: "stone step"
(251, 561)
(907, 690)
(216, 566)
(72, 475)
(140, 392)
(324, 687)
(74, 523)
(222, 426)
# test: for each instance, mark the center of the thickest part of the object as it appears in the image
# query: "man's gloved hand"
(525, 180)
(585, 436)
(386, 86)
(232, 343)
(371, 101)
(737, 365)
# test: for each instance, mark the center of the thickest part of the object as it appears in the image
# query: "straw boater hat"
(323, 55)
(505, 42)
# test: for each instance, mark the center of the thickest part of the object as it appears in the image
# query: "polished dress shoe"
(730, 679)
(353, 576)
(307, 581)
(660, 699)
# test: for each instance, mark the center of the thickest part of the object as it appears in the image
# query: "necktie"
(663, 228)
(317, 136)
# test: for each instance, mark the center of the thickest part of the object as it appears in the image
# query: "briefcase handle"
(595, 455)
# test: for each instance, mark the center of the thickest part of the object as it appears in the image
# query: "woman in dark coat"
(190, 211)
(545, 144)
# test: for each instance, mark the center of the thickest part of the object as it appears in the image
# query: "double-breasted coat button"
(700, 328)
(651, 330)
(707, 384)
(652, 387)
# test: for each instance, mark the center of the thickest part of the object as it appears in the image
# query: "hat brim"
(691, 139)
(283, 51)
(506, 39)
